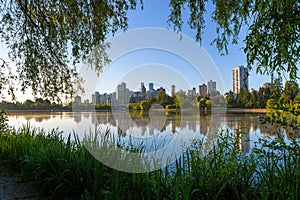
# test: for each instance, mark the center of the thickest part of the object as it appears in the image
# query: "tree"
(272, 43)
(28, 104)
(163, 99)
(243, 97)
(290, 91)
(230, 100)
(144, 105)
(276, 88)
(39, 34)
(202, 104)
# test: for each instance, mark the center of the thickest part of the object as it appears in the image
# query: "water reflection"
(154, 122)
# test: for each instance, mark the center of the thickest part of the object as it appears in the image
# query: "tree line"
(269, 97)
(259, 99)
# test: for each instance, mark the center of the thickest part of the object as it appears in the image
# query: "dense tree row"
(260, 98)
(265, 97)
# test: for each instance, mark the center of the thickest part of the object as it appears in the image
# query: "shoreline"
(245, 110)
(228, 110)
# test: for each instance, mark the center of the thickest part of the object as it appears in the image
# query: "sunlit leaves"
(272, 40)
(47, 39)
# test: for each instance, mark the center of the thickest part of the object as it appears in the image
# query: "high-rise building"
(96, 98)
(151, 86)
(173, 90)
(240, 79)
(202, 90)
(143, 88)
(121, 93)
(211, 87)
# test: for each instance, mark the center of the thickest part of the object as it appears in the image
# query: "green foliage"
(3, 121)
(230, 100)
(290, 91)
(272, 40)
(142, 105)
(50, 30)
(100, 106)
(163, 99)
(63, 168)
(38, 104)
(276, 88)
(265, 96)
(202, 103)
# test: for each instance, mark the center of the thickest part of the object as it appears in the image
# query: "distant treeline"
(41, 104)
(265, 97)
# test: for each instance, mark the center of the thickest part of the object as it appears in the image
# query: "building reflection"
(156, 121)
(77, 117)
(242, 125)
(149, 123)
(38, 116)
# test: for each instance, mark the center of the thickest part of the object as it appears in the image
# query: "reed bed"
(64, 169)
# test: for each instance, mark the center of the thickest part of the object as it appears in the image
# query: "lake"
(145, 127)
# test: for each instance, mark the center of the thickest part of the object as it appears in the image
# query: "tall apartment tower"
(240, 79)
(151, 86)
(202, 90)
(121, 93)
(211, 87)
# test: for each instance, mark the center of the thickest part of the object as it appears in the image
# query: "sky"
(155, 14)
(186, 71)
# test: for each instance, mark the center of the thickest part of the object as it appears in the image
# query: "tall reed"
(64, 168)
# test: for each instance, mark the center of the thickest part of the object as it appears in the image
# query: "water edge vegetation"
(63, 168)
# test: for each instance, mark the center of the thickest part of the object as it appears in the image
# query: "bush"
(3, 121)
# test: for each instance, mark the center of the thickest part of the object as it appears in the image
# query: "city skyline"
(123, 94)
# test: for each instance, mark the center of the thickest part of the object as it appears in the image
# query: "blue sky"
(155, 14)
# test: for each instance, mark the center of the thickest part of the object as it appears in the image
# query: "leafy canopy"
(47, 38)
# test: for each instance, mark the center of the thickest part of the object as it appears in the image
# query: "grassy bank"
(65, 169)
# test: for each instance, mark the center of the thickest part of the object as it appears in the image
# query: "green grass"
(64, 169)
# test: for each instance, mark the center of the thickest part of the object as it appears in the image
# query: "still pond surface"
(147, 127)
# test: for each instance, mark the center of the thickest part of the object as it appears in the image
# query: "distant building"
(191, 93)
(86, 101)
(114, 98)
(121, 93)
(143, 88)
(173, 90)
(211, 87)
(181, 92)
(77, 99)
(240, 79)
(152, 94)
(96, 98)
(202, 90)
(151, 86)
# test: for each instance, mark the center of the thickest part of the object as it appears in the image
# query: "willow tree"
(47, 38)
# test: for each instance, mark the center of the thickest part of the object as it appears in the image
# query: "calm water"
(146, 127)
